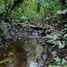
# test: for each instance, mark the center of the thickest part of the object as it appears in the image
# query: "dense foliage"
(33, 30)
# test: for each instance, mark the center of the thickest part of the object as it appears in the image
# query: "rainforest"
(33, 33)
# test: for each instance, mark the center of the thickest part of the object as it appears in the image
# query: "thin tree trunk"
(20, 56)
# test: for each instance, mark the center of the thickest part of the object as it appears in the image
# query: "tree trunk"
(3, 65)
(20, 56)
